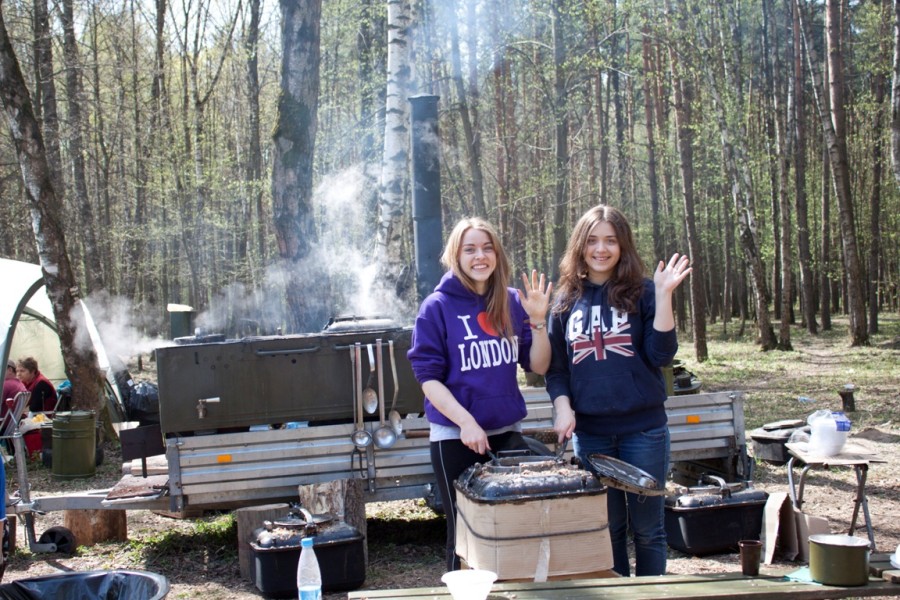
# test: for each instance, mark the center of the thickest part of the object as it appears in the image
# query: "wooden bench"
(770, 585)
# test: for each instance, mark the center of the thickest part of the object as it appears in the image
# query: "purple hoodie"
(450, 345)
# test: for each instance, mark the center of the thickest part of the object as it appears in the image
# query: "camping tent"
(28, 327)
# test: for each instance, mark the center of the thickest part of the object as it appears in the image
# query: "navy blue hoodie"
(453, 344)
(608, 363)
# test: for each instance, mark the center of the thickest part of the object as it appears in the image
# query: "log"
(93, 526)
(248, 520)
(343, 498)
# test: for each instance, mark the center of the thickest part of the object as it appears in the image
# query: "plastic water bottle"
(309, 578)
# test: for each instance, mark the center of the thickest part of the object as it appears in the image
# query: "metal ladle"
(360, 437)
(384, 435)
(394, 416)
(369, 396)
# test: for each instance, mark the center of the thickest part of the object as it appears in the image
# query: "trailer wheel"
(62, 537)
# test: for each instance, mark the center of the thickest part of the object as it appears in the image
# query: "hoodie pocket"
(611, 395)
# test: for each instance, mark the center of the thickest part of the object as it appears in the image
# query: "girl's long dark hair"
(627, 281)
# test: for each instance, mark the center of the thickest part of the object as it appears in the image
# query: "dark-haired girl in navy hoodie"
(611, 329)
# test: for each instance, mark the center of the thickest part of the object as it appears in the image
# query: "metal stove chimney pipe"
(426, 193)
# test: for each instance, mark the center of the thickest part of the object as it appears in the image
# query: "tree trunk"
(254, 157)
(652, 180)
(292, 168)
(878, 91)
(468, 114)
(774, 140)
(48, 222)
(94, 276)
(825, 256)
(781, 213)
(395, 161)
(895, 97)
(45, 88)
(561, 118)
(684, 97)
(834, 128)
(807, 282)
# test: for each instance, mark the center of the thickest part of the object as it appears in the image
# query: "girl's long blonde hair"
(627, 281)
(497, 297)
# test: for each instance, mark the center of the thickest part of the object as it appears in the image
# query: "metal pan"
(620, 475)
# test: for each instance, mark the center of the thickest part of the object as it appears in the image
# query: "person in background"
(11, 386)
(469, 336)
(43, 394)
(611, 330)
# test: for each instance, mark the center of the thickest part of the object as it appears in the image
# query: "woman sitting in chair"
(43, 394)
(11, 386)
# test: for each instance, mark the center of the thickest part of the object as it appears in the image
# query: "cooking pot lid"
(623, 476)
(293, 521)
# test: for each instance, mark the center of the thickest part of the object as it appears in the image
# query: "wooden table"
(770, 585)
(852, 456)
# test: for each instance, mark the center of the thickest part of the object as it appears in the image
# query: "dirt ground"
(406, 537)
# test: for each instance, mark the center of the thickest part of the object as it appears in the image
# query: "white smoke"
(341, 273)
(120, 327)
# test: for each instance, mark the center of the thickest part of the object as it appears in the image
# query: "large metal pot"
(839, 559)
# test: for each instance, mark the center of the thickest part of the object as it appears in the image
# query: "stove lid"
(623, 476)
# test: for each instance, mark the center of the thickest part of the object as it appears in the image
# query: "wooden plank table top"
(769, 585)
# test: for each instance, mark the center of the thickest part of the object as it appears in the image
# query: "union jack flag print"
(611, 341)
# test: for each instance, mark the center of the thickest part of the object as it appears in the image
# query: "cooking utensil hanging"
(369, 395)
(384, 435)
(393, 415)
(360, 437)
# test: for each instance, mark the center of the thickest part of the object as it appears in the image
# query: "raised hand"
(669, 276)
(536, 296)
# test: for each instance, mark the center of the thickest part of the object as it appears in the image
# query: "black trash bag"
(89, 585)
(143, 403)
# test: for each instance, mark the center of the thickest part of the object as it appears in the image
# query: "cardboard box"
(535, 539)
(786, 529)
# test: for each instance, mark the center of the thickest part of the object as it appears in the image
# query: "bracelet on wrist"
(538, 325)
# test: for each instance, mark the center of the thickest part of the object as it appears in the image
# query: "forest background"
(251, 159)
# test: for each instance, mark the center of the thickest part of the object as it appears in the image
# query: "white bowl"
(469, 584)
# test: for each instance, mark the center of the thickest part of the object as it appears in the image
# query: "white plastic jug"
(828, 433)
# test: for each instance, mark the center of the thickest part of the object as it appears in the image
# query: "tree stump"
(92, 526)
(248, 520)
(343, 498)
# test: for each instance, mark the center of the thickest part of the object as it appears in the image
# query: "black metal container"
(768, 442)
(275, 552)
(713, 518)
(233, 384)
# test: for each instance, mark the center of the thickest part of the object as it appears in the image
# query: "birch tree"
(395, 161)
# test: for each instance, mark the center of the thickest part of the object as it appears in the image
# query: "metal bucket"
(74, 445)
(839, 559)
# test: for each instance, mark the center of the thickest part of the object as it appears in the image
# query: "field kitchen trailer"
(245, 422)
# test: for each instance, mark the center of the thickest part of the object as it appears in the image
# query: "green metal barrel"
(74, 445)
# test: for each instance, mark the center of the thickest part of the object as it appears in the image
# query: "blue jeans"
(643, 515)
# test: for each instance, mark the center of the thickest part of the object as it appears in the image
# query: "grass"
(792, 384)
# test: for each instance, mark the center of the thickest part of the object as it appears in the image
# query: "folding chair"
(12, 417)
